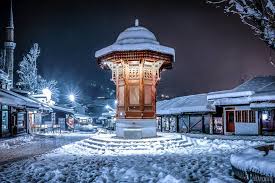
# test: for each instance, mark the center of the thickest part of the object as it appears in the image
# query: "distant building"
(248, 109)
(20, 112)
(14, 108)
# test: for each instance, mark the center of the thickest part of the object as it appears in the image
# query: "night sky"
(214, 51)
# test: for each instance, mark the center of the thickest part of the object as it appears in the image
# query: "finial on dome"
(136, 22)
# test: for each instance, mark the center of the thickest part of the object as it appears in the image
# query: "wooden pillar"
(260, 122)
(189, 124)
(177, 123)
(161, 123)
(203, 125)
(141, 87)
(26, 121)
(0, 120)
(126, 89)
(169, 123)
(211, 126)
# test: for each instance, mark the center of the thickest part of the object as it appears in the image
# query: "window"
(245, 116)
(20, 120)
(252, 116)
(5, 118)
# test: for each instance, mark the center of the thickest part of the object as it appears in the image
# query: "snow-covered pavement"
(26, 146)
(204, 160)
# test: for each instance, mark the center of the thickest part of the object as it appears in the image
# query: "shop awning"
(13, 99)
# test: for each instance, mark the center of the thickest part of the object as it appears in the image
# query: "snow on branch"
(259, 15)
(28, 76)
(28, 70)
(51, 85)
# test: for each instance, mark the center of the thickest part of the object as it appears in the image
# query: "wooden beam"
(203, 125)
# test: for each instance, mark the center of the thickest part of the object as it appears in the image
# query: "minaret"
(9, 45)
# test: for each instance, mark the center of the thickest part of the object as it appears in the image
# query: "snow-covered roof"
(136, 38)
(257, 89)
(264, 105)
(186, 104)
(63, 109)
(82, 116)
(13, 99)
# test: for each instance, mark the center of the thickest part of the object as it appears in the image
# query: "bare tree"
(259, 15)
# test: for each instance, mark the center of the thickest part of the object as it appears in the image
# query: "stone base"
(136, 128)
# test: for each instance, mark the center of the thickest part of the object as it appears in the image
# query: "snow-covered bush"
(255, 161)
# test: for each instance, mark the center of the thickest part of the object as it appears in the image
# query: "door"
(230, 121)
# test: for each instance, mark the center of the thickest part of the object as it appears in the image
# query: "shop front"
(241, 120)
(167, 124)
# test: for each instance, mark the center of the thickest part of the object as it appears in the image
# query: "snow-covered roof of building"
(13, 99)
(255, 86)
(82, 116)
(63, 109)
(136, 38)
(264, 105)
(185, 104)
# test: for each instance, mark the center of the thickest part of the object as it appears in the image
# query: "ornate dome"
(136, 35)
(136, 38)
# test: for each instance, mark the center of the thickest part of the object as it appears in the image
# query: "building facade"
(248, 109)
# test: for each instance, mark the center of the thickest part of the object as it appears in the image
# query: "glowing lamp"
(72, 97)
(264, 116)
(47, 92)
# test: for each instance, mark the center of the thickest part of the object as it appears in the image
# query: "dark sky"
(213, 50)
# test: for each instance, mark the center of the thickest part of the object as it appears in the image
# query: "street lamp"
(72, 97)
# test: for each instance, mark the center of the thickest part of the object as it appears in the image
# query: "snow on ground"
(26, 146)
(269, 139)
(15, 142)
(204, 160)
(87, 128)
(255, 160)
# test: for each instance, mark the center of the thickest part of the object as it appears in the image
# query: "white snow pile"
(255, 160)
(204, 160)
(14, 142)
(88, 127)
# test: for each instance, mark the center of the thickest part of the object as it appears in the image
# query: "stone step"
(116, 144)
(103, 148)
(132, 141)
(136, 147)
(113, 139)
